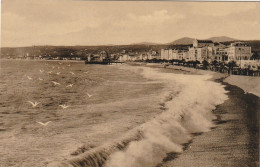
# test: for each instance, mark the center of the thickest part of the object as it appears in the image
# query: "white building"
(124, 57)
(201, 50)
(238, 51)
(198, 54)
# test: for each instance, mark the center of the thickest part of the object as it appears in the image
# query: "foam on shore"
(191, 98)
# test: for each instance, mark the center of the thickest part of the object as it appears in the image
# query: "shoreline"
(233, 142)
(41, 60)
(235, 139)
(249, 84)
(85, 158)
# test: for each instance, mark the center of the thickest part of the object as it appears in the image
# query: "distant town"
(199, 54)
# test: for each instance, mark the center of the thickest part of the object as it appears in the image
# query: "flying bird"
(72, 73)
(49, 72)
(58, 73)
(41, 71)
(40, 79)
(85, 72)
(70, 85)
(63, 106)
(60, 63)
(29, 78)
(34, 104)
(69, 65)
(43, 124)
(89, 95)
(55, 83)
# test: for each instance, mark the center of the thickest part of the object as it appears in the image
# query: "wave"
(188, 99)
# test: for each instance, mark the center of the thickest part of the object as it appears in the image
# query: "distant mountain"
(145, 43)
(188, 41)
(182, 41)
(221, 39)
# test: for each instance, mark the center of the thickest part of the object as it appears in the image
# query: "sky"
(72, 22)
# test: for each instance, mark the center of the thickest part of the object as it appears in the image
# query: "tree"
(232, 64)
(255, 56)
(205, 64)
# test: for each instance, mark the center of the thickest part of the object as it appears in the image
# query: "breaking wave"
(188, 99)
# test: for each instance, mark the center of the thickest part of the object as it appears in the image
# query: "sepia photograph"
(129, 83)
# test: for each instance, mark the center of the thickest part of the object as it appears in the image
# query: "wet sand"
(247, 83)
(234, 142)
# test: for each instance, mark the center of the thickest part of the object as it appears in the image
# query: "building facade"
(238, 51)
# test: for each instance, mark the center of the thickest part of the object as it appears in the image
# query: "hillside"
(182, 41)
(145, 43)
(221, 39)
(188, 40)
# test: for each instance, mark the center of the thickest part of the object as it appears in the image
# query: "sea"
(99, 115)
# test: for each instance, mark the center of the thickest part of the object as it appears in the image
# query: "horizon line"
(136, 43)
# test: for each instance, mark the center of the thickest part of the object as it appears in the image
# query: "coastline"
(233, 142)
(235, 139)
(34, 60)
(248, 84)
(164, 124)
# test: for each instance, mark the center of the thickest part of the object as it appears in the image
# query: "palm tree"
(205, 64)
(231, 65)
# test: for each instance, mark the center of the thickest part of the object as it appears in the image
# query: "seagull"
(70, 85)
(89, 95)
(58, 73)
(60, 63)
(29, 78)
(68, 65)
(44, 124)
(49, 72)
(85, 72)
(40, 79)
(63, 106)
(55, 83)
(72, 73)
(34, 104)
(41, 71)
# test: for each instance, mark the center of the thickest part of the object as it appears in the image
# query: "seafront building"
(173, 54)
(209, 51)
(238, 51)
(135, 56)
(202, 50)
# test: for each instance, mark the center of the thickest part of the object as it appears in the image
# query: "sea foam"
(193, 97)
